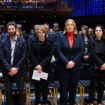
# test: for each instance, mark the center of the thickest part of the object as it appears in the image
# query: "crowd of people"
(70, 53)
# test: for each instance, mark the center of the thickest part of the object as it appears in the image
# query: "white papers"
(43, 75)
(37, 76)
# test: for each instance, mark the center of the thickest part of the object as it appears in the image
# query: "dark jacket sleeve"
(60, 52)
(98, 60)
(47, 59)
(3, 59)
(23, 59)
(31, 56)
(79, 55)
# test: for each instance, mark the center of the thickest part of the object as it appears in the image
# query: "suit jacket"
(3, 35)
(19, 55)
(40, 53)
(66, 53)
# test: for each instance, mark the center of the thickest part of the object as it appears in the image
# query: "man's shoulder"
(21, 39)
(4, 40)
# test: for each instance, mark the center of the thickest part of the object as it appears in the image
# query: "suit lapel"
(67, 42)
(74, 42)
(8, 46)
(16, 47)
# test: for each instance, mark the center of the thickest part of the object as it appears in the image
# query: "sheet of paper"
(43, 75)
(35, 75)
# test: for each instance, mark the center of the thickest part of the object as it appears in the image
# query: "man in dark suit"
(12, 55)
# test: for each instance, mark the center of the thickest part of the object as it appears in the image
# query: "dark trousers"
(8, 88)
(41, 89)
(68, 84)
(97, 84)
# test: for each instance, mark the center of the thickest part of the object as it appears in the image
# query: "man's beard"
(12, 34)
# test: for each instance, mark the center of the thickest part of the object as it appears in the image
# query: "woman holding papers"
(40, 53)
(70, 49)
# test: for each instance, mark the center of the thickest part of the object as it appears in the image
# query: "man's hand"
(102, 67)
(10, 73)
(13, 71)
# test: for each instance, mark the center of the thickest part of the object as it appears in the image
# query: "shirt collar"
(13, 39)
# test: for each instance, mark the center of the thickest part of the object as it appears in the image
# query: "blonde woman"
(40, 53)
(70, 49)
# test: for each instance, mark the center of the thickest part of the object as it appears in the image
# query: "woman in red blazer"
(70, 49)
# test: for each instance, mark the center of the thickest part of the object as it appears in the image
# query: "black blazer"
(19, 55)
(40, 53)
(66, 54)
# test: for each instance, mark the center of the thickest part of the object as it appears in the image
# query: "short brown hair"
(86, 28)
(11, 23)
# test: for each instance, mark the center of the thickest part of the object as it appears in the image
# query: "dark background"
(89, 12)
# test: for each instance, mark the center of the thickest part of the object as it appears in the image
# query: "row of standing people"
(71, 51)
(94, 61)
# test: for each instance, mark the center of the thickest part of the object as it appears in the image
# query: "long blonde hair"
(75, 26)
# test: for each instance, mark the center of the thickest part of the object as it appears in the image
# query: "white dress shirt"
(13, 44)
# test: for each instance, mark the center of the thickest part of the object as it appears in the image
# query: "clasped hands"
(70, 65)
(13, 71)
